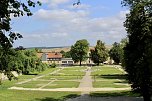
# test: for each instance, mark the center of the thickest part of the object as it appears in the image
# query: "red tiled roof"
(54, 55)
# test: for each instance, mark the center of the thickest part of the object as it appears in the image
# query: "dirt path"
(86, 82)
(70, 89)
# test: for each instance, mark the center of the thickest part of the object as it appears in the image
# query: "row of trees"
(22, 61)
(80, 52)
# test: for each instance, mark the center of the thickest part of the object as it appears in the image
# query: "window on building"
(65, 62)
(70, 62)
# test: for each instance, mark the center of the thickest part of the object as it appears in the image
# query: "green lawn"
(32, 84)
(114, 94)
(103, 76)
(73, 71)
(105, 70)
(17, 95)
(106, 76)
(63, 84)
(109, 84)
(62, 77)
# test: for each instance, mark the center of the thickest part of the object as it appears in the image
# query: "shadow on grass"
(59, 99)
(115, 94)
(113, 76)
(31, 74)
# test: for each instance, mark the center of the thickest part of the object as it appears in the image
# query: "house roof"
(54, 55)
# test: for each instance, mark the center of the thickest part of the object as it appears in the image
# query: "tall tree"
(10, 8)
(99, 54)
(80, 50)
(138, 52)
(116, 53)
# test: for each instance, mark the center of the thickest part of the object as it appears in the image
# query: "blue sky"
(59, 23)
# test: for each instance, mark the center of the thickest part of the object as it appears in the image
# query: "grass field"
(63, 84)
(114, 94)
(65, 78)
(103, 76)
(17, 95)
(76, 71)
(108, 77)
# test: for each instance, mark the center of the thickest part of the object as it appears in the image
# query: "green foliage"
(8, 60)
(79, 50)
(53, 65)
(99, 54)
(22, 61)
(66, 54)
(116, 53)
(138, 52)
(17, 9)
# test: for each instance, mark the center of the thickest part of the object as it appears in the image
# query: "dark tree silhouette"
(138, 51)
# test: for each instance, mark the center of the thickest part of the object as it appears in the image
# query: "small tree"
(79, 50)
(99, 54)
(66, 54)
(116, 53)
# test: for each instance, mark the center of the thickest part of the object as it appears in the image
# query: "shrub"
(53, 65)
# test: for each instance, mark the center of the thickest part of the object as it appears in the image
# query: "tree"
(20, 48)
(66, 54)
(10, 8)
(79, 50)
(15, 8)
(116, 53)
(99, 54)
(123, 44)
(138, 51)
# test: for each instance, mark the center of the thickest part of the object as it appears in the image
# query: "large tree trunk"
(98, 64)
(146, 96)
(146, 93)
(80, 62)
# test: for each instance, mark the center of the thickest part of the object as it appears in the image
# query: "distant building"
(67, 61)
(55, 57)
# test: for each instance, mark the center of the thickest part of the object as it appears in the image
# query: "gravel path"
(86, 82)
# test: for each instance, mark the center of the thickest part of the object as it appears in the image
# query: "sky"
(58, 23)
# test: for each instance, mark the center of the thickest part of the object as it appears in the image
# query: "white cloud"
(66, 26)
(54, 3)
(59, 34)
(59, 14)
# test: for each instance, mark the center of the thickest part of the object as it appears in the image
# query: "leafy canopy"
(99, 54)
(10, 8)
(138, 51)
(116, 53)
(80, 50)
